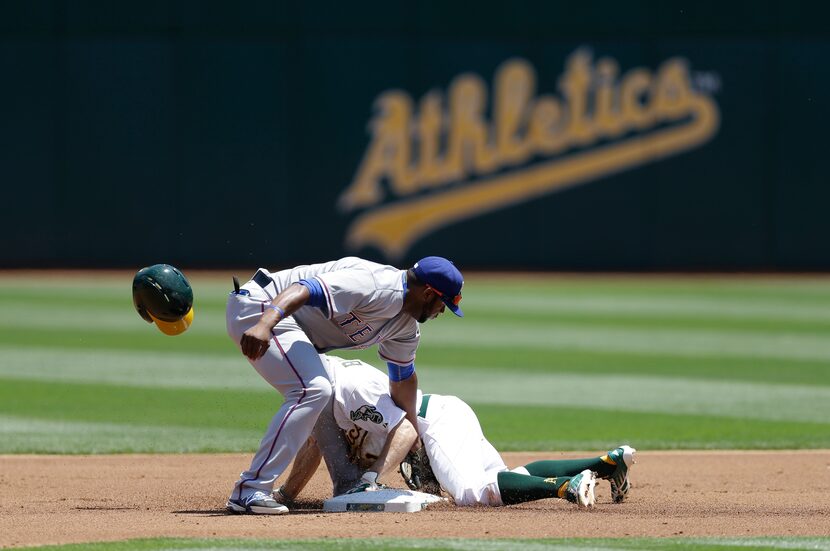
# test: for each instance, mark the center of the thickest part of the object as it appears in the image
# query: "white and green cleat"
(623, 458)
(581, 488)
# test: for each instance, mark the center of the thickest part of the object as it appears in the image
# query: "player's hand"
(416, 445)
(255, 341)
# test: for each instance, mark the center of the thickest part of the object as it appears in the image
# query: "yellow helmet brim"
(174, 327)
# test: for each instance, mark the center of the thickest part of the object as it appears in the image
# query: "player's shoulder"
(354, 262)
(383, 278)
(375, 268)
(341, 264)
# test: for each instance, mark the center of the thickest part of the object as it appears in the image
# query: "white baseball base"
(389, 500)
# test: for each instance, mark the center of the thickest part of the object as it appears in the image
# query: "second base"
(389, 500)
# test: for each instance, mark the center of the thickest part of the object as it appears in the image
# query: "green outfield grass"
(384, 544)
(660, 362)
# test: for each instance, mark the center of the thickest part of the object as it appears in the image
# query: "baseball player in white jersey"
(283, 321)
(465, 464)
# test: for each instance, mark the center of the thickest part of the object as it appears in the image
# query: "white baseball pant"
(464, 462)
(294, 367)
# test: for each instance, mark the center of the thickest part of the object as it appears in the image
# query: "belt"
(424, 403)
(264, 280)
(261, 279)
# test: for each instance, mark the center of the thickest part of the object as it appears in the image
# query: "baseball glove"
(417, 473)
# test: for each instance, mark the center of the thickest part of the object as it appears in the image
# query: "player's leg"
(302, 471)
(295, 369)
(520, 488)
(567, 467)
(335, 449)
(614, 466)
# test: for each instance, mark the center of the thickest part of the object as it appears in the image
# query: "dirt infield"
(68, 499)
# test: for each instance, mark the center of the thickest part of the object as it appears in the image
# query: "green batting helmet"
(162, 295)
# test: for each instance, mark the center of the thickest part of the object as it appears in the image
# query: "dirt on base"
(70, 499)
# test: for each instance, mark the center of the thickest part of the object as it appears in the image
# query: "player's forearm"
(255, 340)
(291, 299)
(405, 394)
(398, 443)
(305, 465)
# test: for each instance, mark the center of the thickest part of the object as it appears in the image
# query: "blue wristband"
(279, 310)
(398, 373)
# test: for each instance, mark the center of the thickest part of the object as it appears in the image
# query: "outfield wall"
(550, 136)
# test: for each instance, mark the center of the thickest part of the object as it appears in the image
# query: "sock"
(603, 466)
(519, 488)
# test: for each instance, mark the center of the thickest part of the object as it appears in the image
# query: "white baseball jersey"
(363, 306)
(361, 397)
(464, 462)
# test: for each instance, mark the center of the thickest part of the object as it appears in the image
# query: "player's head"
(436, 284)
(162, 295)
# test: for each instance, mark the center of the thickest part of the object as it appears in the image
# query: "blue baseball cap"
(441, 275)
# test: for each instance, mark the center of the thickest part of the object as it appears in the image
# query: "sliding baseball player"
(465, 464)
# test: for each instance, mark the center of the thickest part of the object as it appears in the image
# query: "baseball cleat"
(623, 458)
(581, 489)
(258, 503)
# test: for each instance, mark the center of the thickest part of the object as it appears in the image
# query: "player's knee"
(319, 390)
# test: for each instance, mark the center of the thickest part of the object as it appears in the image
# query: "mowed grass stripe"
(579, 320)
(97, 319)
(509, 385)
(145, 338)
(549, 301)
(21, 350)
(527, 296)
(744, 399)
(198, 408)
(476, 334)
(588, 324)
(456, 544)
(508, 428)
(585, 429)
(222, 408)
(95, 285)
(132, 369)
(28, 435)
(655, 340)
(644, 305)
(93, 318)
(112, 321)
(796, 289)
(528, 359)
(791, 297)
(172, 367)
(210, 362)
